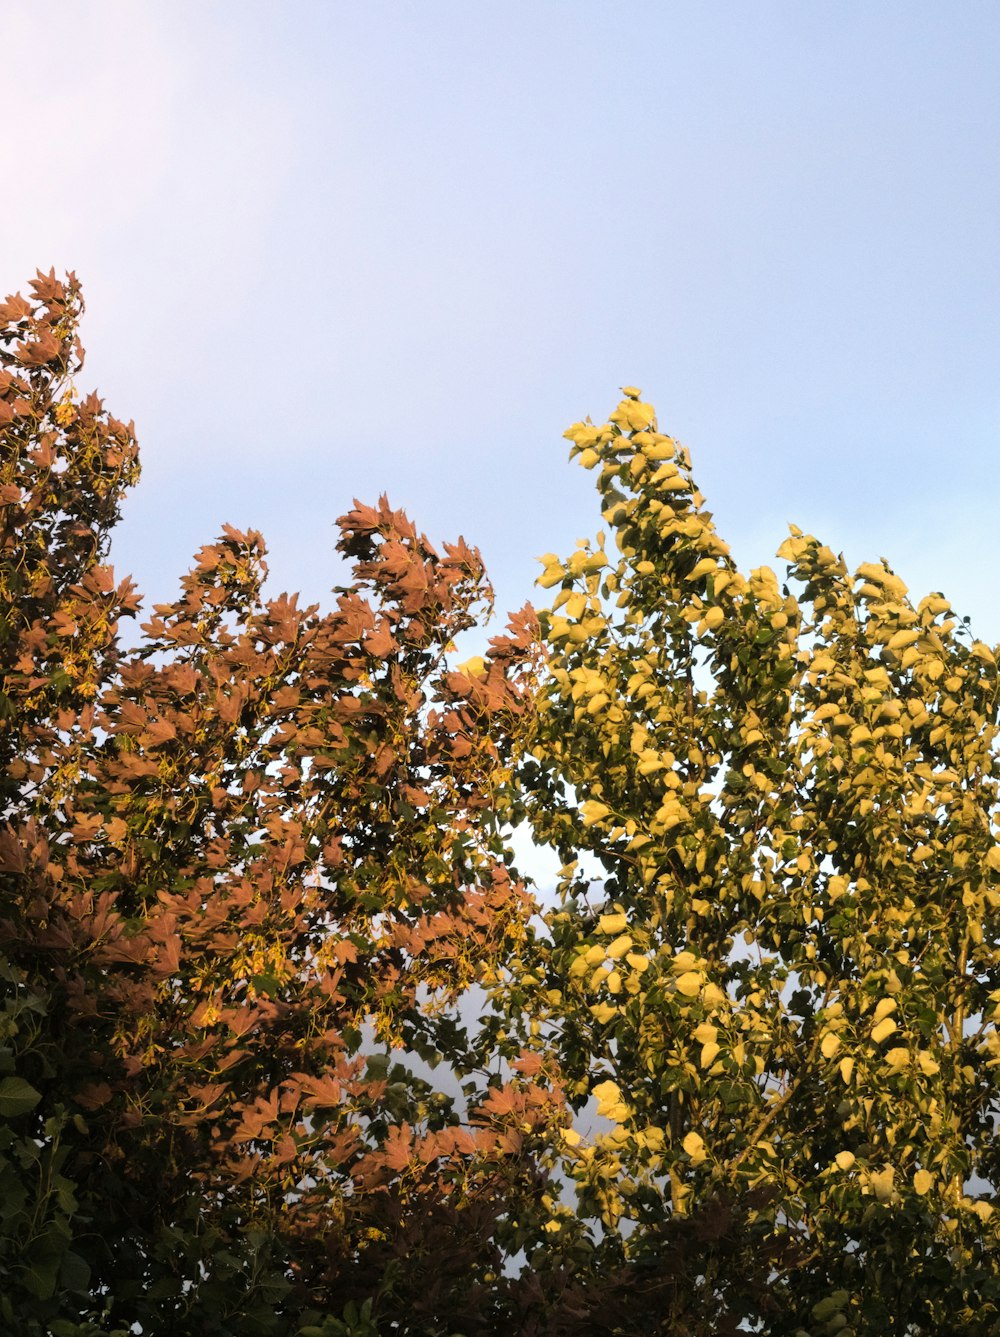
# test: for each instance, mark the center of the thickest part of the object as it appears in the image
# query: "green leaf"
(41, 1275)
(74, 1275)
(17, 1096)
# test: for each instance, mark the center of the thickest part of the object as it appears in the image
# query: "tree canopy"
(774, 958)
(228, 851)
(287, 1045)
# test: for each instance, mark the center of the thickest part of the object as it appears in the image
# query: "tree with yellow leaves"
(774, 960)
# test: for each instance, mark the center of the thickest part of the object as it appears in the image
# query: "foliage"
(775, 958)
(230, 853)
(287, 1047)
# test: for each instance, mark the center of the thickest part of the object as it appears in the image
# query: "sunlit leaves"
(785, 789)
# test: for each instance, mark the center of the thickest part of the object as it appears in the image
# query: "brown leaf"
(45, 348)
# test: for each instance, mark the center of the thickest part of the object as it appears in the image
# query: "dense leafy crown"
(227, 851)
(286, 1046)
(774, 959)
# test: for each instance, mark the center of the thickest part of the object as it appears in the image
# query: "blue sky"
(331, 249)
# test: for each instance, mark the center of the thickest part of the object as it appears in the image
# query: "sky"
(334, 249)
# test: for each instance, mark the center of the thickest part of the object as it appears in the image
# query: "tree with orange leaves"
(247, 868)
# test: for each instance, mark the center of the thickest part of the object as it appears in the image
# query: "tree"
(255, 885)
(774, 962)
(227, 851)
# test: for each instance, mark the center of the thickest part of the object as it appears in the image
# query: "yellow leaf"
(901, 638)
(846, 1069)
(606, 1091)
(871, 571)
(614, 923)
(651, 1137)
(709, 1053)
(659, 447)
(650, 762)
(883, 1029)
(694, 1145)
(713, 996)
(830, 1045)
(597, 978)
(619, 947)
(703, 568)
(689, 984)
(579, 967)
(634, 414)
(472, 668)
(582, 433)
(881, 1183)
(667, 470)
(793, 548)
(845, 1159)
(923, 1182)
(609, 1101)
(898, 1058)
(672, 484)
